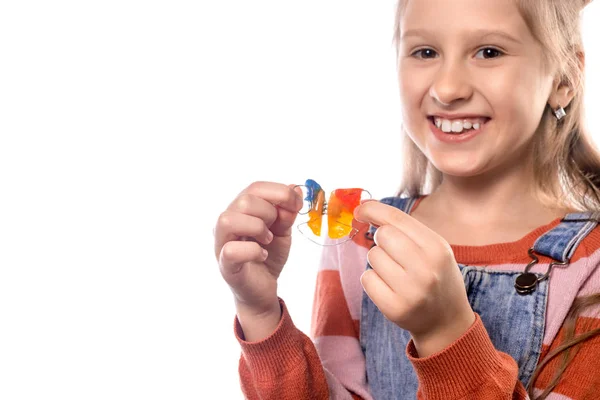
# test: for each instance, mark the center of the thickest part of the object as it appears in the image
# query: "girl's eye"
(424, 53)
(485, 53)
(489, 52)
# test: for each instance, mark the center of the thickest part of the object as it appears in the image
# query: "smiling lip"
(458, 116)
(454, 138)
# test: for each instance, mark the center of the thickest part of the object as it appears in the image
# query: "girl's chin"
(465, 170)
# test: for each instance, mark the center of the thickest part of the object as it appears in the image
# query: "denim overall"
(515, 321)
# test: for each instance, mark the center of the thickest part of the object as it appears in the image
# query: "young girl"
(500, 197)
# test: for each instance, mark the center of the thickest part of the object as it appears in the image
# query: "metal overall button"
(526, 282)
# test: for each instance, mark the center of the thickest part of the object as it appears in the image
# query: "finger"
(379, 292)
(401, 248)
(287, 200)
(235, 254)
(378, 214)
(392, 273)
(232, 226)
(286, 218)
(278, 194)
(362, 201)
(253, 205)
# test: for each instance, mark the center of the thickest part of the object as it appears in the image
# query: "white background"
(126, 127)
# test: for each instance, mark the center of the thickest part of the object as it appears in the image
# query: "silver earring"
(559, 113)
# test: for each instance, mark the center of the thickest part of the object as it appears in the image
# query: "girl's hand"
(252, 244)
(415, 281)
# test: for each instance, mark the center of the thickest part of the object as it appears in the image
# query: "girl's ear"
(563, 92)
(561, 96)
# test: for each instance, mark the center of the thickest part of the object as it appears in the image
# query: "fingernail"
(265, 254)
(269, 236)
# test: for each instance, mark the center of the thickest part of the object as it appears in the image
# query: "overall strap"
(561, 242)
(402, 203)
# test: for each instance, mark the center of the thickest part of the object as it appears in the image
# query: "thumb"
(285, 217)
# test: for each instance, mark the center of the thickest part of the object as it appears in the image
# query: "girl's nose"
(451, 84)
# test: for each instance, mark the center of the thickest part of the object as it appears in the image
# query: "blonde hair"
(566, 164)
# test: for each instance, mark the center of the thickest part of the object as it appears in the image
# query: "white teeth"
(458, 125)
(446, 126)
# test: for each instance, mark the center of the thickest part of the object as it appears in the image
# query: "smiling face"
(474, 68)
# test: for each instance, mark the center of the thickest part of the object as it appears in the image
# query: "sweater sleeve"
(283, 366)
(470, 368)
